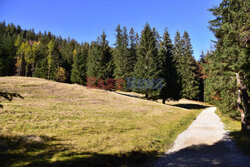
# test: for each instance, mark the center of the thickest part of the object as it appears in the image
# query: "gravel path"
(205, 143)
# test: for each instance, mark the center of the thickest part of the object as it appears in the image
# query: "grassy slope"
(63, 124)
(242, 139)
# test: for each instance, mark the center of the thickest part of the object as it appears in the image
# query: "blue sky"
(84, 20)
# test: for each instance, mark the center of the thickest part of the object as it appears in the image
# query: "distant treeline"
(148, 56)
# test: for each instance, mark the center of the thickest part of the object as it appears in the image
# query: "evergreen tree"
(146, 66)
(201, 64)
(107, 62)
(41, 68)
(202, 57)
(187, 68)
(132, 58)
(93, 61)
(49, 57)
(78, 74)
(120, 53)
(124, 54)
(178, 58)
(67, 50)
(53, 56)
(190, 78)
(7, 50)
(229, 64)
(100, 62)
(171, 89)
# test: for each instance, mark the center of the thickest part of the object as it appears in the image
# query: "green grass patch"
(242, 139)
(69, 125)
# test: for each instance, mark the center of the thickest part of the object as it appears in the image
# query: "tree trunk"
(146, 95)
(242, 103)
(26, 69)
(163, 101)
(32, 69)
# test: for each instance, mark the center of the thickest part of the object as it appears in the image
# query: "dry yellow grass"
(87, 125)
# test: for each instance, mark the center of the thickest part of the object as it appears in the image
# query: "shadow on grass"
(27, 149)
(9, 96)
(38, 151)
(151, 98)
(190, 106)
(128, 95)
(242, 140)
(130, 159)
(221, 154)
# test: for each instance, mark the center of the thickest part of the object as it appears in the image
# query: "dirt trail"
(205, 143)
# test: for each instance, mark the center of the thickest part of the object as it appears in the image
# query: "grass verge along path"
(241, 139)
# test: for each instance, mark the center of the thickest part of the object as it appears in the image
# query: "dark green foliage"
(132, 57)
(41, 69)
(124, 53)
(147, 63)
(121, 53)
(171, 89)
(7, 50)
(231, 27)
(78, 74)
(93, 61)
(100, 62)
(67, 49)
(201, 63)
(187, 67)
(191, 79)
(220, 86)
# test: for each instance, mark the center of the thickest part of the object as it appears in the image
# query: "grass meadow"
(59, 124)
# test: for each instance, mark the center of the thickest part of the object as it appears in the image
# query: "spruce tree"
(41, 67)
(187, 67)
(125, 53)
(190, 78)
(229, 63)
(7, 52)
(121, 53)
(178, 58)
(78, 74)
(93, 61)
(67, 50)
(132, 57)
(201, 64)
(147, 64)
(107, 62)
(100, 62)
(171, 89)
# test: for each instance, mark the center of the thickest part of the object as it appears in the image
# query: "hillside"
(69, 124)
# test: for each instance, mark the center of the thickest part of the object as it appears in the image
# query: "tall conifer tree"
(171, 89)
(187, 68)
(147, 64)
(227, 84)
(100, 62)
(78, 74)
